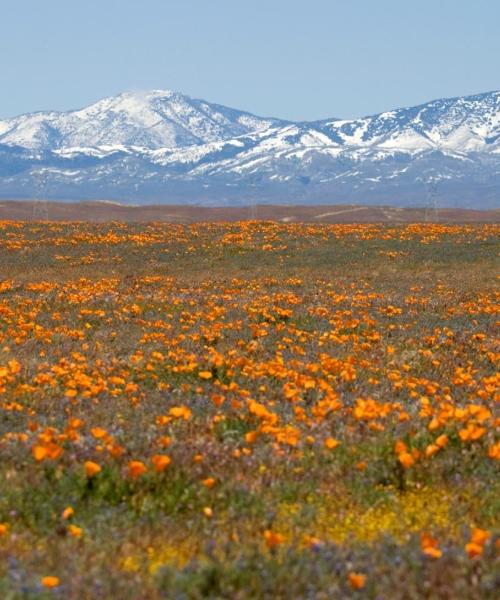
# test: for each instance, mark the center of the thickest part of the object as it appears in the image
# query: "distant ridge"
(163, 146)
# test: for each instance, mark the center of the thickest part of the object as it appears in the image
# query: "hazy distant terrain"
(113, 211)
(165, 147)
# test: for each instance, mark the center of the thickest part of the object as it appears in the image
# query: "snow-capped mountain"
(166, 147)
(155, 119)
(459, 124)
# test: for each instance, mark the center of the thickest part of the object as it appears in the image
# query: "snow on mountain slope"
(153, 119)
(165, 147)
(461, 124)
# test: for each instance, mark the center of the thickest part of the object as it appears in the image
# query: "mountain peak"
(151, 119)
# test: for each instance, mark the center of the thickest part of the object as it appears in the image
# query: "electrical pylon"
(40, 204)
(431, 212)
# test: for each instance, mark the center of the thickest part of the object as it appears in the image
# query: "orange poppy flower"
(406, 459)
(273, 539)
(136, 468)
(429, 546)
(473, 550)
(480, 536)
(91, 468)
(75, 531)
(356, 580)
(331, 443)
(39, 453)
(67, 513)
(50, 581)
(160, 462)
(181, 412)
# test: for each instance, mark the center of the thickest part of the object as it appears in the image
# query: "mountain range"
(165, 147)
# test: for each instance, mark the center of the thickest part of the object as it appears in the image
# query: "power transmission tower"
(431, 212)
(40, 205)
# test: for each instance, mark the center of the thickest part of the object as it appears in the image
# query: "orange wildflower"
(400, 447)
(356, 580)
(50, 581)
(160, 462)
(478, 539)
(331, 443)
(91, 468)
(311, 541)
(39, 453)
(471, 433)
(251, 436)
(273, 539)
(136, 468)
(473, 550)
(431, 450)
(480, 536)
(429, 546)
(75, 531)
(442, 441)
(494, 451)
(67, 513)
(98, 433)
(406, 459)
(180, 412)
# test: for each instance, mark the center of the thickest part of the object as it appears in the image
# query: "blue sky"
(305, 59)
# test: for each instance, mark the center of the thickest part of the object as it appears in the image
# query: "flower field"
(249, 410)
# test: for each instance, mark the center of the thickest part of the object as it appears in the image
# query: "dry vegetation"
(248, 410)
(105, 211)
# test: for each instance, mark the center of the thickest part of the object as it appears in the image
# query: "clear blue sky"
(305, 59)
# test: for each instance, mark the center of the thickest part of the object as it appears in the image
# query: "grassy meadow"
(249, 410)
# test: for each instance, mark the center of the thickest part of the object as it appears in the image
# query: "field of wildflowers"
(249, 410)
